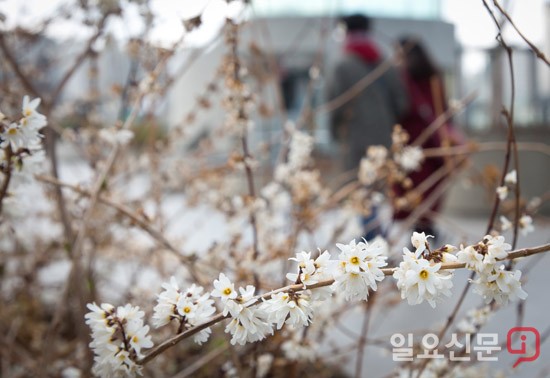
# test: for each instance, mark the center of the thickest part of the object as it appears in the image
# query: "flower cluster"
(312, 271)
(289, 308)
(119, 334)
(371, 164)
(410, 158)
(494, 282)
(118, 339)
(500, 285)
(419, 278)
(482, 256)
(299, 153)
(25, 133)
(248, 324)
(302, 182)
(525, 224)
(510, 182)
(188, 308)
(358, 269)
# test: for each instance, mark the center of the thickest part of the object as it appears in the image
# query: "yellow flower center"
(424, 274)
(354, 260)
(12, 131)
(27, 112)
(135, 339)
(227, 291)
(187, 310)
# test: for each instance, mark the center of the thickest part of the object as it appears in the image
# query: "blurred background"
(289, 48)
(284, 43)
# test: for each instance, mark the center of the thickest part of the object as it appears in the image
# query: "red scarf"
(362, 46)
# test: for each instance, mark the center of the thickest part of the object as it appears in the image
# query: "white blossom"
(369, 165)
(481, 257)
(420, 241)
(358, 269)
(496, 249)
(511, 177)
(301, 145)
(420, 280)
(32, 119)
(118, 337)
(410, 158)
(377, 154)
(526, 225)
(247, 324)
(368, 172)
(224, 288)
(505, 223)
(264, 363)
(166, 310)
(189, 308)
(311, 271)
(502, 192)
(500, 285)
(470, 256)
(13, 135)
(286, 308)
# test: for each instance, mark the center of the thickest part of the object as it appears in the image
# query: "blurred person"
(368, 118)
(424, 85)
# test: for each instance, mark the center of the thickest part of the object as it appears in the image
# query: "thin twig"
(537, 52)
(125, 210)
(8, 153)
(299, 287)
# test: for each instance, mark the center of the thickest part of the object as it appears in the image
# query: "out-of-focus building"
(286, 42)
(292, 37)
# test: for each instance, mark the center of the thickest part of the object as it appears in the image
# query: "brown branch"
(125, 210)
(486, 146)
(299, 287)
(537, 52)
(7, 175)
(12, 61)
(363, 338)
(78, 61)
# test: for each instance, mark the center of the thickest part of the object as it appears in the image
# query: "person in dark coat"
(427, 100)
(368, 118)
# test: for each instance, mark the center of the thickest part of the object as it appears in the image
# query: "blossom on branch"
(511, 178)
(500, 285)
(358, 269)
(188, 308)
(25, 133)
(410, 158)
(526, 225)
(248, 324)
(288, 308)
(419, 280)
(118, 337)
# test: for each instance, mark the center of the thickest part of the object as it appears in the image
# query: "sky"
(474, 28)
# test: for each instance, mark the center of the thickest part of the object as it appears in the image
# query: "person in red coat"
(427, 101)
